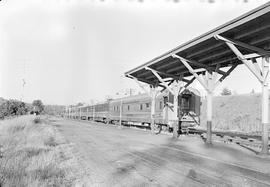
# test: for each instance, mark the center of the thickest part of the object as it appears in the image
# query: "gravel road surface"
(129, 157)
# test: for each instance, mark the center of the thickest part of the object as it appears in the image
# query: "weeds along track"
(34, 154)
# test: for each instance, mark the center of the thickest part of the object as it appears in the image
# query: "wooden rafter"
(244, 45)
(164, 73)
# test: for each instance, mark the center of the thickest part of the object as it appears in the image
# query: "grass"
(31, 154)
(240, 113)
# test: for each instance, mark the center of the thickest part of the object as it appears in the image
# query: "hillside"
(237, 112)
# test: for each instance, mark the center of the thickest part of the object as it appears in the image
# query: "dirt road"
(129, 157)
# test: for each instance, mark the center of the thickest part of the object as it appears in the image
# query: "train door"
(168, 109)
(188, 108)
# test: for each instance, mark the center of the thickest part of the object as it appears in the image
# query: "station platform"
(231, 154)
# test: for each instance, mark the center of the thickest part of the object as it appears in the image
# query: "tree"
(38, 106)
(79, 104)
(226, 91)
(12, 108)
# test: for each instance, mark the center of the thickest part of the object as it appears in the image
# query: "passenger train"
(136, 110)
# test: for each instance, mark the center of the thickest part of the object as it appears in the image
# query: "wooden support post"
(93, 112)
(209, 77)
(208, 81)
(120, 114)
(261, 75)
(265, 105)
(153, 94)
(175, 116)
(176, 88)
(80, 110)
(86, 113)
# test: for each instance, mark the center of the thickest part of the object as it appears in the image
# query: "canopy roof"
(206, 51)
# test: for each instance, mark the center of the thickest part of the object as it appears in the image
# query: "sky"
(70, 51)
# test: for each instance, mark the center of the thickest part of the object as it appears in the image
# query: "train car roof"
(205, 51)
(133, 97)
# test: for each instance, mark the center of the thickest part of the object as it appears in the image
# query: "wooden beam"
(249, 65)
(185, 80)
(244, 45)
(252, 56)
(145, 81)
(185, 62)
(226, 75)
(198, 64)
(190, 81)
(168, 85)
(228, 72)
(166, 74)
(159, 78)
(256, 65)
(220, 72)
(199, 70)
(186, 85)
(141, 86)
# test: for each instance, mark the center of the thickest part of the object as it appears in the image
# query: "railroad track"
(201, 175)
(245, 140)
(249, 141)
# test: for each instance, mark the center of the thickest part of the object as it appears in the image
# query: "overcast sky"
(71, 51)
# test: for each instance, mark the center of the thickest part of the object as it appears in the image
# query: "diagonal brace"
(187, 84)
(159, 78)
(225, 75)
(191, 70)
(140, 84)
(244, 45)
(249, 64)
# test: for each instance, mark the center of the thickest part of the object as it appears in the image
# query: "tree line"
(12, 107)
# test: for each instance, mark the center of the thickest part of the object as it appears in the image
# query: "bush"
(38, 106)
(12, 108)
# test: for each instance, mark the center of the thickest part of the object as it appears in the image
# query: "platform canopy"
(250, 32)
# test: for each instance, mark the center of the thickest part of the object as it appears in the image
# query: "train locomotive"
(136, 110)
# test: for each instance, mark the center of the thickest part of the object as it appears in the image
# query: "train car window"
(147, 105)
(141, 107)
(117, 108)
(185, 102)
(128, 107)
(165, 100)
